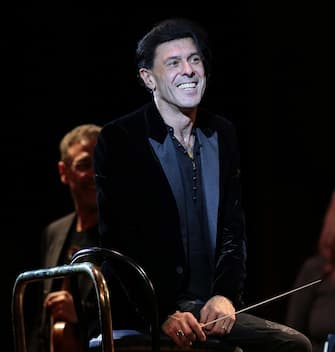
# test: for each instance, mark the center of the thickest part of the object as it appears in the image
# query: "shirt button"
(179, 269)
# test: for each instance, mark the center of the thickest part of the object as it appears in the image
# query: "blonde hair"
(86, 131)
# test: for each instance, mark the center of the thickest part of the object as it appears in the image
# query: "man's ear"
(147, 78)
(62, 172)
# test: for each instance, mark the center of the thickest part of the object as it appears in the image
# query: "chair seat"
(133, 340)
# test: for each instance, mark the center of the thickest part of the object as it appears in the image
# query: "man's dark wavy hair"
(171, 29)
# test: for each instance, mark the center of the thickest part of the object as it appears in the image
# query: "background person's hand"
(61, 306)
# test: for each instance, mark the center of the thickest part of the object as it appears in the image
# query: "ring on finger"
(180, 332)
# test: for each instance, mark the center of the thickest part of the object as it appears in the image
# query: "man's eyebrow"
(176, 57)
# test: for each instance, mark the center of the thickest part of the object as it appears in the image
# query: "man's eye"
(82, 165)
(196, 59)
(173, 63)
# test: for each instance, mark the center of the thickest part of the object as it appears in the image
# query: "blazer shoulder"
(212, 119)
(61, 223)
(125, 120)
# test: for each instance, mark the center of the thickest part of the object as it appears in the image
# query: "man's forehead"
(175, 48)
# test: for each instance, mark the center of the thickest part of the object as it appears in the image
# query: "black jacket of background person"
(138, 214)
(53, 244)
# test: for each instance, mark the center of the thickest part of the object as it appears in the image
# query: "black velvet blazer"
(138, 213)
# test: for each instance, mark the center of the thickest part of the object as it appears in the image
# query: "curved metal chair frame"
(101, 254)
(27, 277)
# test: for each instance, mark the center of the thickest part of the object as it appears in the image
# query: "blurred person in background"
(312, 310)
(57, 316)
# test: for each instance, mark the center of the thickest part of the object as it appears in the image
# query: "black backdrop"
(73, 63)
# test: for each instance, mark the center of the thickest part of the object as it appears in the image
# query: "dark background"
(72, 63)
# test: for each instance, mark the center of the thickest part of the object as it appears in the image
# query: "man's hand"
(183, 328)
(61, 306)
(215, 308)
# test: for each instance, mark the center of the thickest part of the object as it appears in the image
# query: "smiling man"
(169, 195)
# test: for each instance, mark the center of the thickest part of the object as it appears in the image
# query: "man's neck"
(182, 120)
(86, 220)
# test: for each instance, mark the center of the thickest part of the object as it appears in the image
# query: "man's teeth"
(187, 85)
